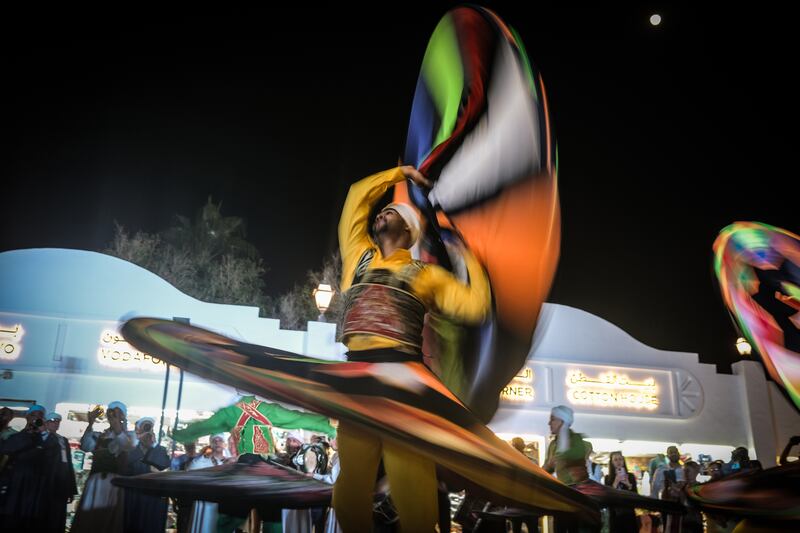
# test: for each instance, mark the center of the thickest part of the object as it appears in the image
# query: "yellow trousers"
(412, 482)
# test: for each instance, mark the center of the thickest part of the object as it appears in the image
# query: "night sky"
(665, 136)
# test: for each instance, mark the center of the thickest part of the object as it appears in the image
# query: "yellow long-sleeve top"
(434, 286)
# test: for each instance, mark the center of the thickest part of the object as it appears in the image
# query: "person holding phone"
(668, 479)
(59, 475)
(621, 519)
(618, 476)
(145, 513)
(740, 460)
(24, 474)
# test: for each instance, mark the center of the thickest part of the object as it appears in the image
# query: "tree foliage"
(207, 257)
(297, 307)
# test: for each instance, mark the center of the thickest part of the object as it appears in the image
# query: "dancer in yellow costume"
(387, 294)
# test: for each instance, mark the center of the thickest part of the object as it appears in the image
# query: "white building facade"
(60, 313)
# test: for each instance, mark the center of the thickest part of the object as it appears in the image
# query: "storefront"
(60, 312)
(634, 398)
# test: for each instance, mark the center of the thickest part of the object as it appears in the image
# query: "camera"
(38, 422)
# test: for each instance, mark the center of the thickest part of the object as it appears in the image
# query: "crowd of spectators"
(571, 459)
(37, 479)
(37, 476)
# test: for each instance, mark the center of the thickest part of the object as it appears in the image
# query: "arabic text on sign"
(10, 342)
(610, 379)
(521, 387)
(612, 390)
(117, 352)
(525, 375)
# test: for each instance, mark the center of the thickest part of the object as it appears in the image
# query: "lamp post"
(323, 295)
(743, 347)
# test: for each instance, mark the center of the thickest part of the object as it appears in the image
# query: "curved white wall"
(68, 301)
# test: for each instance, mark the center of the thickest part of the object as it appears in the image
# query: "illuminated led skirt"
(400, 401)
(758, 268)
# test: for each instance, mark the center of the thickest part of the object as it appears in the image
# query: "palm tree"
(211, 234)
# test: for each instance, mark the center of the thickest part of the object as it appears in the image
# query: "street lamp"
(743, 346)
(323, 295)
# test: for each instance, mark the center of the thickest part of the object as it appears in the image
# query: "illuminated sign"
(613, 390)
(520, 389)
(115, 352)
(11, 342)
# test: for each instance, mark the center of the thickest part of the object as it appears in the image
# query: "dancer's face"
(390, 224)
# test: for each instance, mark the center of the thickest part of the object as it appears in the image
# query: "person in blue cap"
(145, 513)
(25, 493)
(101, 507)
(59, 474)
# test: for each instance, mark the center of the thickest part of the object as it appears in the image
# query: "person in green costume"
(566, 454)
(250, 423)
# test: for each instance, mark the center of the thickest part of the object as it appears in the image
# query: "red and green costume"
(250, 421)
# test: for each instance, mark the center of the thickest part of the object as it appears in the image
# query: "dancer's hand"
(416, 176)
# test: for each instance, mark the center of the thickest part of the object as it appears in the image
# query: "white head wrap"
(118, 405)
(562, 412)
(409, 216)
(143, 420)
(294, 435)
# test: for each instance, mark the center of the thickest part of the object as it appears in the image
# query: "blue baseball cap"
(118, 405)
(36, 407)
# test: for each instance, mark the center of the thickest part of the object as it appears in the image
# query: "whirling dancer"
(481, 138)
(758, 268)
(250, 423)
(388, 295)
